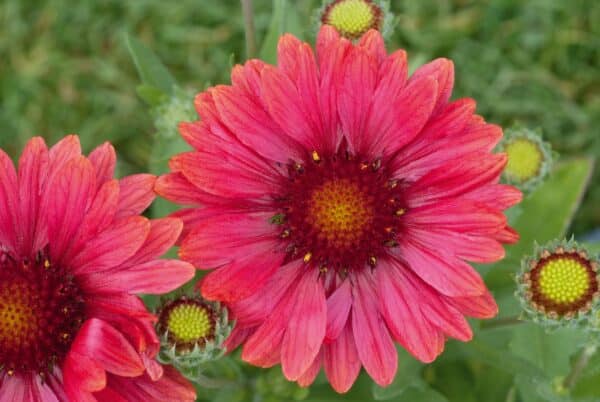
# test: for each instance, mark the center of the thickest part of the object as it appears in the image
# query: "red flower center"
(340, 212)
(41, 309)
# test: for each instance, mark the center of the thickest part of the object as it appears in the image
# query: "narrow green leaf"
(544, 216)
(151, 70)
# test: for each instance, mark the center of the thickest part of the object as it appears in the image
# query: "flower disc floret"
(352, 18)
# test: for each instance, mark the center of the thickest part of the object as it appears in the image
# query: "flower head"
(559, 284)
(337, 201)
(353, 18)
(192, 331)
(73, 251)
(530, 158)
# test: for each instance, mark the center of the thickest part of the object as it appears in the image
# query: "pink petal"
(483, 306)
(399, 304)
(360, 71)
(101, 342)
(444, 272)
(306, 326)
(176, 188)
(377, 351)
(113, 246)
(456, 178)
(73, 188)
(104, 159)
(153, 277)
(241, 278)
(308, 377)
(162, 236)
(82, 374)
(338, 310)
(65, 150)
(222, 239)
(136, 194)
(33, 170)
(372, 41)
(442, 70)
(9, 203)
(341, 361)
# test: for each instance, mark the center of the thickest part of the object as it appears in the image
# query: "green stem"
(502, 322)
(249, 28)
(580, 365)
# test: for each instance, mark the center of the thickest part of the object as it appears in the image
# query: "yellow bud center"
(352, 18)
(564, 280)
(524, 159)
(189, 322)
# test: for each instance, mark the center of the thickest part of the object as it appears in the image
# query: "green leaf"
(544, 216)
(549, 351)
(284, 19)
(151, 70)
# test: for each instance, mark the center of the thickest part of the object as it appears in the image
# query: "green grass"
(64, 66)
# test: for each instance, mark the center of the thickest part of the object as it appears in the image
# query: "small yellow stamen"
(372, 261)
(46, 263)
(400, 212)
(315, 156)
(307, 257)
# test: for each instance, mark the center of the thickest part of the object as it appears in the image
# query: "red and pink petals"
(481, 249)
(136, 194)
(108, 347)
(104, 160)
(73, 189)
(253, 126)
(507, 235)
(377, 351)
(500, 196)
(305, 325)
(297, 62)
(177, 188)
(373, 43)
(32, 173)
(243, 277)
(456, 178)
(172, 386)
(152, 277)
(442, 70)
(238, 336)
(263, 347)
(162, 236)
(247, 77)
(62, 152)
(399, 304)
(9, 202)
(482, 307)
(331, 52)
(341, 361)
(224, 238)
(354, 106)
(308, 377)
(253, 310)
(403, 119)
(456, 215)
(444, 272)
(81, 375)
(338, 310)
(223, 176)
(111, 247)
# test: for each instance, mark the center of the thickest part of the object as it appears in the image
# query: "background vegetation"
(65, 67)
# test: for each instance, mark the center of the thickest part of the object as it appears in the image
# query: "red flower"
(338, 201)
(73, 251)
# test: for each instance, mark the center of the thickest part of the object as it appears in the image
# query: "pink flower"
(338, 201)
(73, 251)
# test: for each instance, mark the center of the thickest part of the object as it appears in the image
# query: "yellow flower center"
(524, 159)
(564, 280)
(340, 210)
(18, 318)
(189, 322)
(352, 18)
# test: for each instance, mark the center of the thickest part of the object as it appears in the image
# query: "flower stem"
(580, 365)
(249, 28)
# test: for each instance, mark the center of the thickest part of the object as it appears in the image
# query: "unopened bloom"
(354, 18)
(559, 285)
(338, 201)
(73, 251)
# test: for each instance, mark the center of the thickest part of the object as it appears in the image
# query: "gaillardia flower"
(340, 201)
(73, 251)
